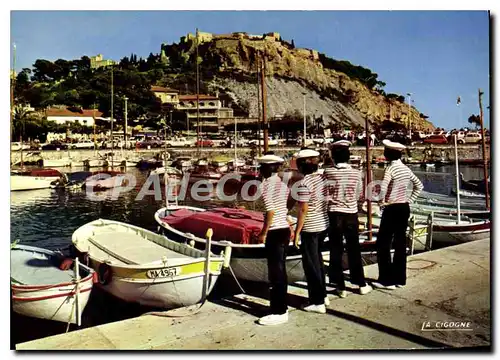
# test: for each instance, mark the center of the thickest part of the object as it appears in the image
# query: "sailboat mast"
(457, 180)
(197, 94)
(235, 141)
(12, 84)
(112, 96)
(264, 101)
(485, 162)
(258, 104)
(368, 178)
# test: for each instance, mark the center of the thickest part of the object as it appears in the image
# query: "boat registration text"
(163, 273)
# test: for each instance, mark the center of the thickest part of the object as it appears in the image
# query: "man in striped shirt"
(344, 191)
(276, 235)
(395, 215)
(312, 225)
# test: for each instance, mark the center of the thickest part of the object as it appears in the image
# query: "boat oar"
(77, 292)
(206, 282)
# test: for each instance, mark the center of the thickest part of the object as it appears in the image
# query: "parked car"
(472, 138)
(55, 145)
(255, 141)
(85, 144)
(16, 146)
(460, 136)
(204, 143)
(179, 142)
(150, 143)
(436, 139)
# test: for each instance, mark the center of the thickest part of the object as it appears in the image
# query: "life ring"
(104, 274)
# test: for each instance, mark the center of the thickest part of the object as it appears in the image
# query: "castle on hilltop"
(207, 37)
(271, 37)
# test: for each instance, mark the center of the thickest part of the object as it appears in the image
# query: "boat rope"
(237, 282)
(71, 314)
(173, 313)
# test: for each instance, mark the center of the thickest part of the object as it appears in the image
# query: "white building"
(65, 116)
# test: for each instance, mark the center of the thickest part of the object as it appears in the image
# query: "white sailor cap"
(269, 159)
(342, 143)
(305, 153)
(393, 145)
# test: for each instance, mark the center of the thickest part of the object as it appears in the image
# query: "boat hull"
(249, 262)
(169, 294)
(52, 302)
(169, 283)
(56, 304)
(20, 183)
(96, 163)
(65, 162)
(454, 234)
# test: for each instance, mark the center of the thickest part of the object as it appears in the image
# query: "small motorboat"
(41, 288)
(203, 172)
(73, 180)
(102, 180)
(62, 162)
(33, 179)
(95, 163)
(137, 265)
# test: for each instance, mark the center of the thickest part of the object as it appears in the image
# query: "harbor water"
(47, 218)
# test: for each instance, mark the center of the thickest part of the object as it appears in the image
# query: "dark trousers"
(311, 244)
(393, 231)
(276, 248)
(345, 225)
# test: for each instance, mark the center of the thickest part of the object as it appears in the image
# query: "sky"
(436, 56)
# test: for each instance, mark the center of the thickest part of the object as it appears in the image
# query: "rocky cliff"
(228, 63)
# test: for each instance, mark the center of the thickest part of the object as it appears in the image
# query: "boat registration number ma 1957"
(163, 273)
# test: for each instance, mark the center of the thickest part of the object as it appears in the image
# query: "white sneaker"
(274, 319)
(384, 287)
(321, 309)
(327, 301)
(363, 290)
(341, 293)
(400, 286)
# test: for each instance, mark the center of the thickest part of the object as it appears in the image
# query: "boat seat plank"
(132, 248)
(28, 268)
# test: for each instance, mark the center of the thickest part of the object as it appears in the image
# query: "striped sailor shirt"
(345, 188)
(397, 177)
(312, 190)
(275, 195)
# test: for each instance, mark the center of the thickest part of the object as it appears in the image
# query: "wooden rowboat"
(42, 290)
(137, 265)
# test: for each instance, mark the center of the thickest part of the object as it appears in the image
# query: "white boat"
(447, 234)
(77, 163)
(33, 179)
(63, 162)
(42, 290)
(106, 180)
(248, 260)
(92, 163)
(445, 229)
(170, 171)
(137, 265)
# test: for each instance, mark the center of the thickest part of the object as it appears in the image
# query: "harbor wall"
(466, 153)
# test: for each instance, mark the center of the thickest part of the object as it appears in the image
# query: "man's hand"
(296, 240)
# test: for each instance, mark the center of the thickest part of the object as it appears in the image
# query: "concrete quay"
(446, 285)
(467, 153)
